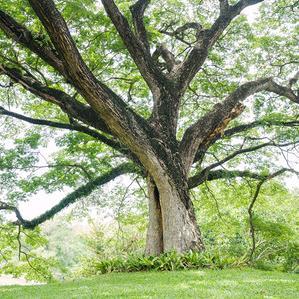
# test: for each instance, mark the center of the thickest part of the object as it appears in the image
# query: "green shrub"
(170, 261)
(291, 262)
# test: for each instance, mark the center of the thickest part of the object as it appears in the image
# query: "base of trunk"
(172, 226)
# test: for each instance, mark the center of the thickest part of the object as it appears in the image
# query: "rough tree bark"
(180, 230)
(151, 144)
(154, 236)
(172, 224)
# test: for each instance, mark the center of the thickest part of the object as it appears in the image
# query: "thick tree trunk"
(172, 225)
(154, 237)
(180, 230)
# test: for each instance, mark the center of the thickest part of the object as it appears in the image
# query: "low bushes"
(171, 261)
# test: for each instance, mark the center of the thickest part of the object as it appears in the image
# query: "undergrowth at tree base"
(173, 261)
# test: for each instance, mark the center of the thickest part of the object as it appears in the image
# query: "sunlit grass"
(183, 284)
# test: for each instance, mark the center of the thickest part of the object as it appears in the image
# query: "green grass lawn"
(184, 284)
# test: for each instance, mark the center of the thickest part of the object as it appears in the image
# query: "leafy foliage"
(20, 254)
(35, 158)
(170, 261)
(226, 234)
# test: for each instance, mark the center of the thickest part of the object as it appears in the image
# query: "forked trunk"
(172, 226)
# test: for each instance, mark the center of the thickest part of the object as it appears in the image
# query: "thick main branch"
(217, 119)
(137, 11)
(240, 129)
(68, 104)
(124, 123)
(137, 45)
(206, 39)
(26, 38)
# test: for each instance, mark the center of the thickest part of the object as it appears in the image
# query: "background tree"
(177, 79)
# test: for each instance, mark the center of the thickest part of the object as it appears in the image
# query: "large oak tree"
(81, 56)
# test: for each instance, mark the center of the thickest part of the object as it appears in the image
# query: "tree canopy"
(178, 92)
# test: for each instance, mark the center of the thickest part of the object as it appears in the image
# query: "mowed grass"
(232, 283)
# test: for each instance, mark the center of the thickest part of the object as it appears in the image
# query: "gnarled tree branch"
(282, 91)
(137, 11)
(129, 127)
(206, 39)
(136, 47)
(212, 175)
(72, 127)
(204, 174)
(179, 33)
(74, 196)
(26, 38)
(239, 129)
(197, 180)
(167, 56)
(67, 103)
(208, 126)
(224, 6)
